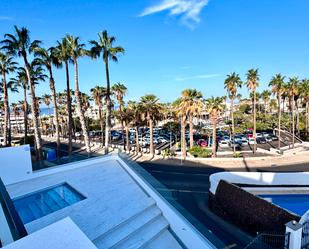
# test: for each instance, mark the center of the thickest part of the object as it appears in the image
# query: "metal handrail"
(270, 241)
(14, 221)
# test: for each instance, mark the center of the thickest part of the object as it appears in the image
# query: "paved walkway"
(298, 161)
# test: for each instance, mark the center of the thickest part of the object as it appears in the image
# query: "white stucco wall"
(59, 235)
(259, 178)
(15, 164)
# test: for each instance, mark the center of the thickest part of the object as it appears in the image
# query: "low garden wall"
(248, 211)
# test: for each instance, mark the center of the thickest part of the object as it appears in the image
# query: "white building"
(111, 205)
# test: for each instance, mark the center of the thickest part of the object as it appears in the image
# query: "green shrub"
(198, 151)
(237, 155)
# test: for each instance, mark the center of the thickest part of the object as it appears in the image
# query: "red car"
(201, 142)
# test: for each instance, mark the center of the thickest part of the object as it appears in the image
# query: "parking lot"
(164, 140)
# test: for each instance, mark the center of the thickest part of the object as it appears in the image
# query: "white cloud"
(8, 18)
(199, 76)
(189, 10)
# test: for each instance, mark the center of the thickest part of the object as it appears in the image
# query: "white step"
(165, 240)
(122, 232)
(143, 236)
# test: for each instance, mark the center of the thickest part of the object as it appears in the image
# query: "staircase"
(146, 229)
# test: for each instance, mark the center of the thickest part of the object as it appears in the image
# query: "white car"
(224, 144)
(259, 135)
(244, 140)
(251, 141)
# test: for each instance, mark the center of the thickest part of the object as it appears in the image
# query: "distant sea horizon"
(45, 111)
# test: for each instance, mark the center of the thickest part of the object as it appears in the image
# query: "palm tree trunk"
(307, 118)
(151, 136)
(56, 115)
(293, 121)
(25, 115)
(214, 137)
(35, 115)
(136, 140)
(254, 121)
(16, 123)
(127, 138)
(183, 137)
(108, 107)
(6, 110)
(101, 123)
(79, 109)
(279, 122)
(233, 123)
(191, 129)
(69, 107)
(297, 117)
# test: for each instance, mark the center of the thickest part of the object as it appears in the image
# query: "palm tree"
(76, 50)
(231, 84)
(7, 65)
(277, 86)
(20, 45)
(214, 108)
(46, 99)
(22, 80)
(62, 54)
(265, 95)
(180, 109)
(191, 101)
(98, 92)
(292, 89)
(48, 58)
(239, 96)
(135, 109)
(304, 91)
(252, 84)
(273, 105)
(104, 46)
(120, 90)
(127, 117)
(151, 107)
(15, 110)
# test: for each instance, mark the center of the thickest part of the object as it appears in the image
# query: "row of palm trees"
(39, 63)
(36, 60)
(295, 90)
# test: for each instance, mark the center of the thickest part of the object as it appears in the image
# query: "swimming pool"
(296, 203)
(38, 204)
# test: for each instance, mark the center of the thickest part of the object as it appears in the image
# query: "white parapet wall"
(185, 231)
(259, 178)
(15, 164)
(59, 235)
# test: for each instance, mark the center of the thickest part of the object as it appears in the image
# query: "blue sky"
(172, 45)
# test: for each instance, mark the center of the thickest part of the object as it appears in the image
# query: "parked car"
(273, 137)
(224, 144)
(261, 140)
(244, 140)
(268, 138)
(202, 142)
(251, 140)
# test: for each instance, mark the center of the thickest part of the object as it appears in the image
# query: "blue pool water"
(296, 203)
(38, 204)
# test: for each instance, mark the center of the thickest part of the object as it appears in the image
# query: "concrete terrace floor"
(116, 212)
